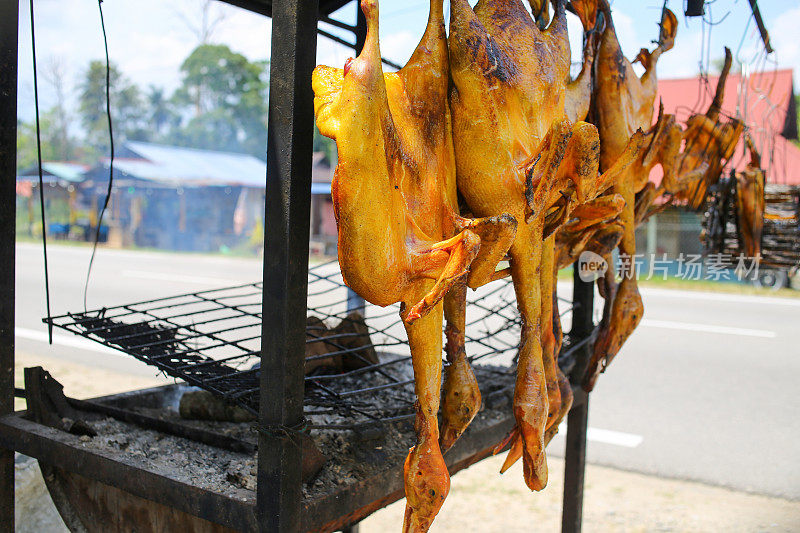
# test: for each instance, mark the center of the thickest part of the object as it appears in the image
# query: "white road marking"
(709, 328)
(565, 290)
(721, 297)
(607, 436)
(65, 340)
(165, 276)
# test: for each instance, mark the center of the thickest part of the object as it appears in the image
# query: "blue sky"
(148, 39)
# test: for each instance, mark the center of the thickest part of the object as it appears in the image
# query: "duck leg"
(448, 261)
(496, 235)
(427, 480)
(461, 400)
(627, 307)
(549, 353)
(530, 392)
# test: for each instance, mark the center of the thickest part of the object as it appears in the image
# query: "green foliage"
(325, 145)
(57, 143)
(797, 107)
(224, 96)
(221, 104)
(127, 110)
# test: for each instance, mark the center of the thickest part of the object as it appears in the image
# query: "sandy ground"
(480, 499)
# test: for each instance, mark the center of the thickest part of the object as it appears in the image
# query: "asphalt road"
(703, 390)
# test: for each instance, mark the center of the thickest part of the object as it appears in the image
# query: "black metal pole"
(361, 29)
(577, 420)
(287, 218)
(575, 468)
(9, 20)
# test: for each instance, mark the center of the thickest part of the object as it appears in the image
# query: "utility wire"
(111, 160)
(41, 179)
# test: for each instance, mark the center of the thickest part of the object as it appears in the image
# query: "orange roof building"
(764, 101)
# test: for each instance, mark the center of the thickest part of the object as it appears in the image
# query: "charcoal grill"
(211, 339)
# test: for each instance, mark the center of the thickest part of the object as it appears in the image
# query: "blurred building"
(188, 199)
(765, 101)
(179, 198)
(61, 180)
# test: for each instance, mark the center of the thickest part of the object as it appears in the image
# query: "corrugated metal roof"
(66, 171)
(173, 164)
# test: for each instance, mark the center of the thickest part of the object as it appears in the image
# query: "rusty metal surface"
(284, 301)
(56, 447)
(577, 420)
(357, 501)
(94, 507)
(345, 507)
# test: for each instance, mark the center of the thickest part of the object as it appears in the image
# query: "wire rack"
(780, 238)
(358, 368)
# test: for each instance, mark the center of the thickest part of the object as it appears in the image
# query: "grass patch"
(704, 285)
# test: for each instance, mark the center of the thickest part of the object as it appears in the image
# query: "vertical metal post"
(9, 19)
(354, 301)
(287, 217)
(577, 421)
(361, 28)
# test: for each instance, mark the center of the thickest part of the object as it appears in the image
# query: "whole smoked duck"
(400, 236)
(709, 141)
(623, 104)
(518, 152)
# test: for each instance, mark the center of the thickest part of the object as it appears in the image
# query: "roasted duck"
(750, 204)
(400, 236)
(708, 141)
(624, 104)
(518, 152)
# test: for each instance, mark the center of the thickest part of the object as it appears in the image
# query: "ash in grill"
(358, 367)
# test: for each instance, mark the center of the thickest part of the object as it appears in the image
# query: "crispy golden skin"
(623, 105)
(750, 203)
(709, 141)
(594, 226)
(517, 151)
(400, 236)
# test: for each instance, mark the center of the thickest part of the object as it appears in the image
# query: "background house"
(62, 180)
(180, 198)
(765, 101)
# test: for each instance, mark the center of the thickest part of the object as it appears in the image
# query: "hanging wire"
(41, 179)
(111, 160)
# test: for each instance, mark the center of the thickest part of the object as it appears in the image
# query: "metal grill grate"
(358, 370)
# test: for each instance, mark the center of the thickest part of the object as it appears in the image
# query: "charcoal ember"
(313, 460)
(355, 336)
(497, 400)
(316, 347)
(239, 475)
(203, 405)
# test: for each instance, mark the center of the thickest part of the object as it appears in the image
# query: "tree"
(208, 23)
(160, 112)
(63, 145)
(225, 96)
(26, 145)
(55, 146)
(126, 107)
(325, 145)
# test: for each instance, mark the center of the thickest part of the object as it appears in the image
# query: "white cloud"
(783, 32)
(399, 46)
